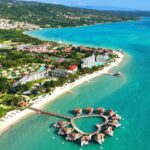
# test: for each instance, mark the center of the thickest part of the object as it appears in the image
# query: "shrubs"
(18, 36)
(5, 85)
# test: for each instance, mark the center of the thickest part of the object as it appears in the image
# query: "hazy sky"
(135, 4)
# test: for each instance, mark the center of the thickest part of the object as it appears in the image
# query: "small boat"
(85, 140)
(118, 74)
(89, 110)
(109, 131)
(69, 92)
(99, 138)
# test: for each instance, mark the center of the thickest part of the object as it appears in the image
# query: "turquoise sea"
(130, 95)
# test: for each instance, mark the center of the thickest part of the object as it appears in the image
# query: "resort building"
(88, 62)
(22, 104)
(72, 69)
(67, 50)
(11, 24)
(85, 49)
(93, 60)
(102, 58)
(59, 73)
(34, 48)
(41, 73)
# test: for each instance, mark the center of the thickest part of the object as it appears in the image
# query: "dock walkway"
(72, 119)
(49, 113)
(89, 116)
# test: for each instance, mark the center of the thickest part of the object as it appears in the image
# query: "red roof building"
(22, 104)
(68, 49)
(73, 69)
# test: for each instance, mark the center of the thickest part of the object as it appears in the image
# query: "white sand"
(8, 123)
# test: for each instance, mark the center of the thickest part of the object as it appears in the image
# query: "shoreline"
(87, 25)
(7, 124)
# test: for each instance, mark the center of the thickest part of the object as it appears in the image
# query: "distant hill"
(7, 1)
(50, 15)
(107, 8)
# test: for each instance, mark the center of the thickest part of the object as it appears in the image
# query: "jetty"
(49, 113)
(89, 116)
(117, 74)
(71, 132)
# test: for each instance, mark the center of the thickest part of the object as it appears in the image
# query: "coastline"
(7, 124)
(79, 26)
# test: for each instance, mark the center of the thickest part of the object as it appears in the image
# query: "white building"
(32, 77)
(88, 62)
(102, 58)
(72, 69)
(93, 60)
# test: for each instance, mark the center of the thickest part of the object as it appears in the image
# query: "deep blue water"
(129, 95)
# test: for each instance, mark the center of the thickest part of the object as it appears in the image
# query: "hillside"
(50, 15)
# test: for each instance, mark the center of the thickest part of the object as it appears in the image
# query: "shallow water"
(129, 95)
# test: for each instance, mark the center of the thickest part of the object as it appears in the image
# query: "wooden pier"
(89, 116)
(49, 113)
(72, 120)
(71, 132)
(117, 74)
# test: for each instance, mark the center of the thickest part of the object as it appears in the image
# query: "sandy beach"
(42, 101)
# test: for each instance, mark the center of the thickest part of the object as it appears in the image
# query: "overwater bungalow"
(100, 110)
(78, 111)
(116, 117)
(110, 113)
(73, 136)
(63, 131)
(99, 138)
(89, 110)
(114, 123)
(61, 124)
(85, 140)
(72, 133)
(109, 131)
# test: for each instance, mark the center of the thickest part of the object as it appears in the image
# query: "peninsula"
(34, 72)
(38, 82)
(72, 133)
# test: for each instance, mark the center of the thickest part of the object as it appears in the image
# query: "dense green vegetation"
(17, 36)
(9, 102)
(50, 15)
(5, 85)
(3, 111)
(12, 58)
